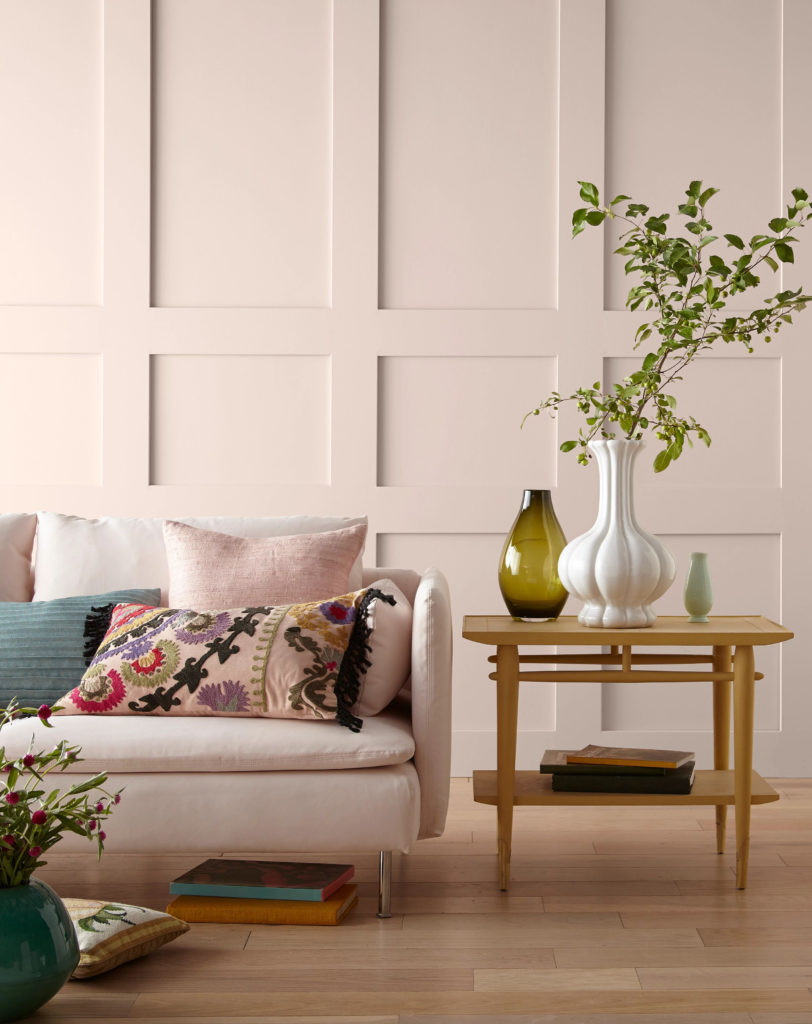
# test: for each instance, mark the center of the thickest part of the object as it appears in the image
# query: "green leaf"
(771, 263)
(662, 460)
(694, 189)
(619, 199)
(799, 195)
(778, 224)
(578, 216)
(706, 195)
(588, 193)
(567, 446)
(735, 241)
(784, 252)
(595, 217)
(650, 361)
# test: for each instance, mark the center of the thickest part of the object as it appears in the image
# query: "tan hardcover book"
(235, 910)
(641, 756)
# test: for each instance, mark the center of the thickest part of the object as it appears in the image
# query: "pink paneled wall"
(278, 256)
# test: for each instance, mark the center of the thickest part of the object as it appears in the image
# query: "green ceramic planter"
(38, 948)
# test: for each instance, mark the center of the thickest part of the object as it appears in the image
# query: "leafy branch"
(687, 286)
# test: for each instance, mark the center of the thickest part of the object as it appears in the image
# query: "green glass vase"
(528, 567)
(38, 948)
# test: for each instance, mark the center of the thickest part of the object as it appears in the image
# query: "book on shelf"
(262, 880)
(675, 780)
(556, 761)
(232, 910)
(630, 756)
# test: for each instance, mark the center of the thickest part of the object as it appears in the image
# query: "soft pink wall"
(274, 256)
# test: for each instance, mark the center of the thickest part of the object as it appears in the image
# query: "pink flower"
(9, 841)
(35, 851)
(39, 818)
(102, 835)
(117, 798)
(99, 807)
(12, 798)
(91, 824)
(28, 760)
(44, 712)
(8, 767)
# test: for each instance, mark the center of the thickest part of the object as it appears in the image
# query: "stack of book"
(264, 892)
(620, 770)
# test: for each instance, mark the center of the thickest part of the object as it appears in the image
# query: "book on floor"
(675, 780)
(556, 761)
(262, 879)
(630, 756)
(227, 909)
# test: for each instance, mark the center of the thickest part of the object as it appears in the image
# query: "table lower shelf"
(710, 787)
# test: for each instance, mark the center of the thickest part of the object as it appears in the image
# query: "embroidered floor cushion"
(110, 934)
(302, 660)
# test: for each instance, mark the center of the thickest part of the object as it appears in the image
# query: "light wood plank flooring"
(615, 915)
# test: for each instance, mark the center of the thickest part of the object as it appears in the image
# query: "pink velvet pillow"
(215, 570)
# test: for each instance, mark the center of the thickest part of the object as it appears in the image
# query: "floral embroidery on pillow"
(296, 661)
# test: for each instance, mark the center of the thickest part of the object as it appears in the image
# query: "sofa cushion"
(148, 744)
(87, 556)
(46, 646)
(16, 542)
(390, 654)
(293, 661)
(212, 570)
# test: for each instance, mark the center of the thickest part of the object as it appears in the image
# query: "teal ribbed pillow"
(45, 646)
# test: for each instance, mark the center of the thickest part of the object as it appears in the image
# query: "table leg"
(507, 713)
(743, 693)
(722, 662)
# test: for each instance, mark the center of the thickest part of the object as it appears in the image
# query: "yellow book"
(233, 910)
(631, 756)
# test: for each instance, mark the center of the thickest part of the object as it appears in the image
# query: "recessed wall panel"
(470, 562)
(468, 115)
(671, 118)
(50, 419)
(231, 419)
(745, 574)
(738, 401)
(457, 420)
(241, 153)
(51, 106)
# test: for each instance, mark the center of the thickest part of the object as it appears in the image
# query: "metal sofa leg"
(385, 883)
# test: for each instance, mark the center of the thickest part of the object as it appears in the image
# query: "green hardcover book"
(262, 879)
(556, 761)
(676, 780)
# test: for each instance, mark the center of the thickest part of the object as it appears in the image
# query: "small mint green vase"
(38, 948)
(698, 597)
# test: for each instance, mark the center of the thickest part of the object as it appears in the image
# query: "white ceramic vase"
(616, 568)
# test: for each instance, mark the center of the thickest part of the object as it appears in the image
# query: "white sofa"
(250, 785)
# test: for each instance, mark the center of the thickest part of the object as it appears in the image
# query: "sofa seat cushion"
(149, 744)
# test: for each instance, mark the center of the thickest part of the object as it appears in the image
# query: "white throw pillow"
(90, 556)
(16, 541)
(391, 654)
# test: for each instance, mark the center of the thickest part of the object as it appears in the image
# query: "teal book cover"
(262, 879)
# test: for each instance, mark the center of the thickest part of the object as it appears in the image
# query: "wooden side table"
(731, 641)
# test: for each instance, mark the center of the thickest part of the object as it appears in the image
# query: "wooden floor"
(615, 915)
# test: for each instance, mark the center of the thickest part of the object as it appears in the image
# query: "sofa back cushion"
(16, 542)
(212, 570)
(46, 646)
(88, 556)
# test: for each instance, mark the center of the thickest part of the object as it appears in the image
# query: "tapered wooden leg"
(507, 713)
(743, 694)
(722, 662)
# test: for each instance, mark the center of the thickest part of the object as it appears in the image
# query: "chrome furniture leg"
(385, 883)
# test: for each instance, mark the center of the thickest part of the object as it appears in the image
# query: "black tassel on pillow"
(356, 661)
(97, 622)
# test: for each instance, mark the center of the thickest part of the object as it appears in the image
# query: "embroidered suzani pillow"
(290, 661)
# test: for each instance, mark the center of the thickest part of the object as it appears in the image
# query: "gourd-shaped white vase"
(616, 568)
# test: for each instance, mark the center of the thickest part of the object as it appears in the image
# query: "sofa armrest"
(431, 699)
